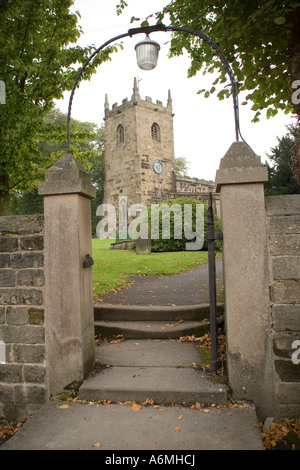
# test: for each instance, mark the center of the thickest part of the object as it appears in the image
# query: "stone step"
(151, 329)
(149, 353)
(109, 312)
(164, 371)
(118, 428)
(164, 385)
(151, 363)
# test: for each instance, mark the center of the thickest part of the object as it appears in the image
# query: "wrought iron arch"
(211, 235)
(162, 28)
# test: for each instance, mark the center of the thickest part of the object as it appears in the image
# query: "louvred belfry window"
(120, 134)
(155, 132)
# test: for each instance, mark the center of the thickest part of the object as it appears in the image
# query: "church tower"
(139, 150)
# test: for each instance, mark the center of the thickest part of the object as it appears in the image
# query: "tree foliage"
(37, 66)
(281, 180)
(181, 166)
(88, 148)
(260, 39)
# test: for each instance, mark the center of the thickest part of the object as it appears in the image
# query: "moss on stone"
(36, 316)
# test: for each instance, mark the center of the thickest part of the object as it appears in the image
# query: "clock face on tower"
(158, 167)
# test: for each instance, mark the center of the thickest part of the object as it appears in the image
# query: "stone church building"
(139, 155)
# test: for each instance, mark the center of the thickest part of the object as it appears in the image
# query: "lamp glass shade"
(147, 54)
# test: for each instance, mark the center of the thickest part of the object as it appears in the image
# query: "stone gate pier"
(69, 323)
(261, 285)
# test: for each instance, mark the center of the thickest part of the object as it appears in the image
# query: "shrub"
(174, 242)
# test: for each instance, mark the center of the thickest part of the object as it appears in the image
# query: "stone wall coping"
(287, 204)
(240, 165)
(240, 176)
(67, 176)
(21, 224)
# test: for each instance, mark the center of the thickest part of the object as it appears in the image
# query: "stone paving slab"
(149, 353)
(162, 384)
(150, 329)
(118, 427)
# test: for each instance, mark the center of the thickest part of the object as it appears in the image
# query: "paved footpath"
(187, 288)
(116, 428)
(119, 428)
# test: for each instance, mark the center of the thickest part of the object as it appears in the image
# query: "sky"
(203, 127)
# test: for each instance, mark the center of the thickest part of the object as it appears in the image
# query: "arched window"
(120, 134)
(155, 132)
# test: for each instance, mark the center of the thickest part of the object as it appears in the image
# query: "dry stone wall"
(22, 348)
(283, 229)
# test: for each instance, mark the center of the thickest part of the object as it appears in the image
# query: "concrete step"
(149, 353)
(164, 371)
(161, 384)
(118, 427)
(151, 329)
(109, 312)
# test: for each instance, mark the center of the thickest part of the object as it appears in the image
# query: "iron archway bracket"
(162, 28)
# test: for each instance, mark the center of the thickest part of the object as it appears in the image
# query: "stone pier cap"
(67, 176)
(240, 165)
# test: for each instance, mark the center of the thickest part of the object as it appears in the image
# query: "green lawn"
(113, 268)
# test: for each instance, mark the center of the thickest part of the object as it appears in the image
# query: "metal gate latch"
(88, 261)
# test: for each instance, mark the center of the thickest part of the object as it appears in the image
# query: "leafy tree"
(281, 180)
(261, 41)
(26, 203)
(97, 170)
(37, 66)
(92, 148)
(181, 166)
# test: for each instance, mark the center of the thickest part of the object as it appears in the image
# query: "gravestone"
(143, 246)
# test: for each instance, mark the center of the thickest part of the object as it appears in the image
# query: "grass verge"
(112, 269)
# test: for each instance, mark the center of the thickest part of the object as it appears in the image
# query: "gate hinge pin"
(88, 261)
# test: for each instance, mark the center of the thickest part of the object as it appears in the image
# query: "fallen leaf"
(136, 407)
(180, 417)
(198, 406)
(97, 444)
(63, 407)
(177, 429)
(149, 401)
